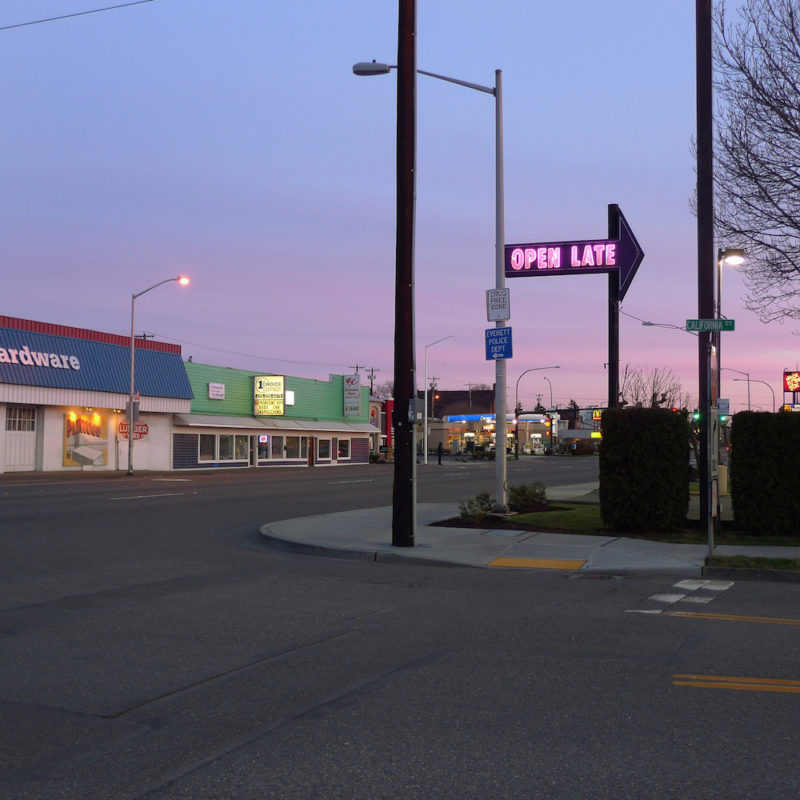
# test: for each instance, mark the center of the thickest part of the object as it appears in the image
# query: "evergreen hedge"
(644, 469)
(765, 491)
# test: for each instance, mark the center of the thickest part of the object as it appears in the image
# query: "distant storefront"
(63, 394)
(241, 418)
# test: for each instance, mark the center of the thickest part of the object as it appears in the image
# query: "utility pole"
(371, 374)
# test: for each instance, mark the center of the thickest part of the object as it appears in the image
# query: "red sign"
(140, 430)
(791, 381)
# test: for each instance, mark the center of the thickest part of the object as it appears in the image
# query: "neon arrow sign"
(622, 255)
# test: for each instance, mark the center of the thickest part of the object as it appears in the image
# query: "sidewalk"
(367, 534)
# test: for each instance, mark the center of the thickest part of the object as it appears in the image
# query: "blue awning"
(37, 359)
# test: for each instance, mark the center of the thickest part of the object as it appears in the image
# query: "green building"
(241, 418)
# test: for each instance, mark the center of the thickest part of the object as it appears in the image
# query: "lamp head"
(733, 256)
(366, 68)
(183, 280)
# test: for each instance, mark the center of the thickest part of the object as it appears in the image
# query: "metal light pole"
(182, 280)
(551, 391)
(734, 257)
(748, 390)
(747, 377)
(516, 398)
(367, 68)
(425, 429)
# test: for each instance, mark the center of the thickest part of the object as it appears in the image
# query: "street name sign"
(703, 325)
(621, 255)
(498, 343)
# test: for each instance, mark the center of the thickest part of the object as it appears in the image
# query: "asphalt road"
(153, 647)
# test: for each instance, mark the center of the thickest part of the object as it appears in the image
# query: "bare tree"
(654, 388)
(384, 390)
(757, 149)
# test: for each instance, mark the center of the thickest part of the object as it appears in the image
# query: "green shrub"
(528, 497)
(644, 469)
(476, 508)
(763, 476)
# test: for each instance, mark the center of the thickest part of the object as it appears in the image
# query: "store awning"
(272, 424)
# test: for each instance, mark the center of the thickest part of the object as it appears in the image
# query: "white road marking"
(148, 496)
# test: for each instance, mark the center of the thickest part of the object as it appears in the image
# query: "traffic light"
(696, 416)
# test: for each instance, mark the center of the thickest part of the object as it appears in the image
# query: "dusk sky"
(231, 142)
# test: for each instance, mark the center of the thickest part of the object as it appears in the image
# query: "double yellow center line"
(742, 684)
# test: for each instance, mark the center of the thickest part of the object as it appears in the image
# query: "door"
(20, 449)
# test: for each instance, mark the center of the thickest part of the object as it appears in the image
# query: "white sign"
(724, 405)
(216, 391)
(498, 305)
(352, 395)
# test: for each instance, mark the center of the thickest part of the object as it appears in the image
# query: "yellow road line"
(536, 563)
(732, 617)
(737, 683)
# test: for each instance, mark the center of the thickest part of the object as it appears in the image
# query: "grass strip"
(754, 562)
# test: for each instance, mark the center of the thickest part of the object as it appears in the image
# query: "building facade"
(63, 394)
(240, 418)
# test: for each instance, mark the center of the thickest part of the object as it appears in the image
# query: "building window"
(226, 447)
(292, 447)
(242, 452)
(304, 447)
(20, 419)
(208, 447)
(343, 451)
(277, 446)
(323, 449)
(263, 446)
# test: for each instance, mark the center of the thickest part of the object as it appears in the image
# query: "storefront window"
(343, 451)
(225, 447)
(292, 447)
(323, 449)
(277, 446)
(304, 447)
(208, 447)
(242, 448)
(263, 447)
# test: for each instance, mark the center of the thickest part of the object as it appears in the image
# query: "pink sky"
(233, 143)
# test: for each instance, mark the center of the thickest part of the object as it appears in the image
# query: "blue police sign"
(498, 343)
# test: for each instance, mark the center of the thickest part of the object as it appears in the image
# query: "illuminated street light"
(183, 281)
(369, 68)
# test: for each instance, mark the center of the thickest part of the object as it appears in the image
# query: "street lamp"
(425, 420)
(747, 376)
(183, 281)
(748, 390)
(368, 68)
(517, 409)
(733, 257)
(551, 390)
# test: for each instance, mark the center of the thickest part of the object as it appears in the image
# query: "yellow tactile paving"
(536, 563)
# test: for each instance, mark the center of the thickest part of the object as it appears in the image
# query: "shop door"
(20, 450)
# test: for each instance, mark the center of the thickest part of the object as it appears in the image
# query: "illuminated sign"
(268, 392)
(33, 358)
(85, 440)
(791, 381)
(621, 255)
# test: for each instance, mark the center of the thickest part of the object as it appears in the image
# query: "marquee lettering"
(33, 358)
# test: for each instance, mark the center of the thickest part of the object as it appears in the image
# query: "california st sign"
(622, 255)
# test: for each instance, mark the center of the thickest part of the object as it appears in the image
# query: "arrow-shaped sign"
(621, 254)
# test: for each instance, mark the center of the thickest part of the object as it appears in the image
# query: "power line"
(76, 14)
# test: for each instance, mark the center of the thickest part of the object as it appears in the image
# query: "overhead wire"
(74, 14)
